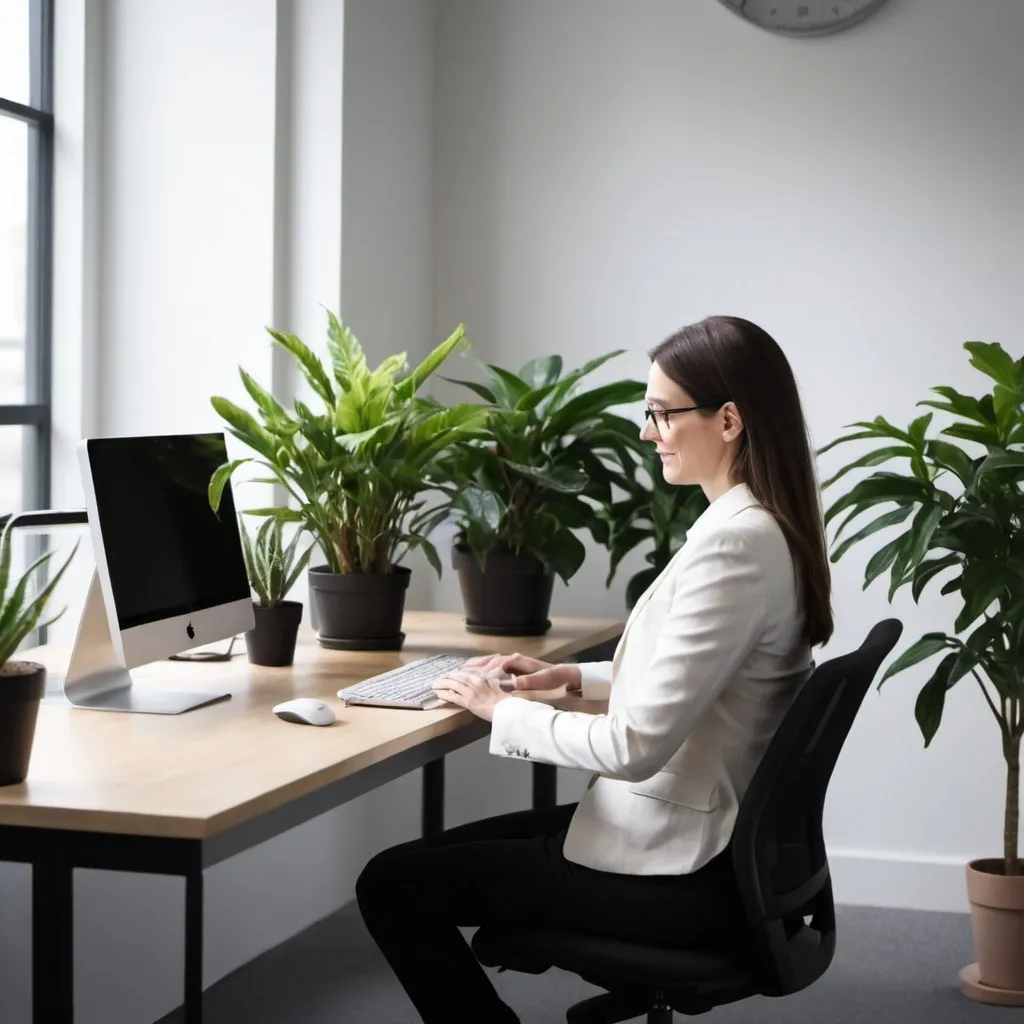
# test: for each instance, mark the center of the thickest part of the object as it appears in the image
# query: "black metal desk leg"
(194, 947)
(53, 961)
(432, 813)
(545, 786)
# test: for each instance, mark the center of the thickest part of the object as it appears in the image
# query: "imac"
(169, 576)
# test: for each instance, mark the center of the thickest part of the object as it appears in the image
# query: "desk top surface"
(195, 774)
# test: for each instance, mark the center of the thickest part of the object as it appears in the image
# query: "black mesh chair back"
(778, 848)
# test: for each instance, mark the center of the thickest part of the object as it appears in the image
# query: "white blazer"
(709, 661)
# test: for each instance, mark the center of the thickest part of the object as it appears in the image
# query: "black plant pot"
(22, 684)
(359, 611)
(272, 640)
(510, 597)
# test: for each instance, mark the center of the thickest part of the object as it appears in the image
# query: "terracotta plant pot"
(997, 918)
(22, 684)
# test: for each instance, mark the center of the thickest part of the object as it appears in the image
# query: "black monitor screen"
(167, 552)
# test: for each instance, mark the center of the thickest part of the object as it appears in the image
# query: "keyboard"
(408, 686)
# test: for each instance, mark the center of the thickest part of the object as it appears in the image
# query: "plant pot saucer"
(333, 643)
(971, 986)
(472, 627)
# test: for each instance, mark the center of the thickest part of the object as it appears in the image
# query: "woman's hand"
(470, 689)
(528, 673)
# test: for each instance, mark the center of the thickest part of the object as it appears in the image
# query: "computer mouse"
(305, 711)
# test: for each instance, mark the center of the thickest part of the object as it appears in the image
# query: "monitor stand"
(95, 678)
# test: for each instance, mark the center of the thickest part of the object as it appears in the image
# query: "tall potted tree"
(965, 508)
(357, 472)
(533, 474)
(22, 683)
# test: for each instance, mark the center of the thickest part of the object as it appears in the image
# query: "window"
(26, 217)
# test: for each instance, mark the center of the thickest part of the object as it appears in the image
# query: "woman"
(673, 728)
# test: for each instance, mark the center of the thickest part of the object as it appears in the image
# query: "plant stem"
(1011, 748)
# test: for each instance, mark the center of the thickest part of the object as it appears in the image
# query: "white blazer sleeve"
(595, 679)
(717, 614)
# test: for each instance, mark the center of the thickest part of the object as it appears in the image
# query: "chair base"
(615, 1007)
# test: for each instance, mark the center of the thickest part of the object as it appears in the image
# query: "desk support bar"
(432, 810)
(194, 946)
(53, 987)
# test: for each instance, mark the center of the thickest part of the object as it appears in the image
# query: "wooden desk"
(175, 794)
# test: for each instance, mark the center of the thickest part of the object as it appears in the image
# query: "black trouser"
(509, 870)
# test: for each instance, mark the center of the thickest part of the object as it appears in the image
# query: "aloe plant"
(357, 469)
(968, 511)
(20, 608)
(272, 565)
(543, 462)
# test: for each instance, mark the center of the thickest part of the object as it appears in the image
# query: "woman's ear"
(732, 422)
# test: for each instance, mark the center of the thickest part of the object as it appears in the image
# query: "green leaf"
(287, 515)
(982, 584)
(932, 699)
(485, 393)
(564, 553)
(951, 458)
(892, 518)
(879, 488)
(882, 559)
(991, 359)
(930, 568)
(987, 436)
(918, 539)
(411, 384)
(874, 458)
(432, 556)
(218, 482)
(482, 507)
(312, 369)
(928, 645)
(566, 479)
(918, 429)
(539, 373)
(582, 408)
(508, 388)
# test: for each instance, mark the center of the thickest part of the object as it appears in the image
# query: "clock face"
(803, 17)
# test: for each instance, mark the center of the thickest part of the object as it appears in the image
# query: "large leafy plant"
(358, 469)
(21, 607)
(273, 566)
(542, 464)
(651, 512)
(965, 509)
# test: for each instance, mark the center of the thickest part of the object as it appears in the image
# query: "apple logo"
(191, 632)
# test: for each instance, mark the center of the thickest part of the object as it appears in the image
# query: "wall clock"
(803, 17)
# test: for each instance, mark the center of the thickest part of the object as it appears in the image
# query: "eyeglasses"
(652, 414)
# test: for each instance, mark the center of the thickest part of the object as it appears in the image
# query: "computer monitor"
(170, 574)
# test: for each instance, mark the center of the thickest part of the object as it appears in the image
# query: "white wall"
(607, 172)
(201, 190)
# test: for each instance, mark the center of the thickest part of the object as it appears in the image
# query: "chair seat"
(611, 962)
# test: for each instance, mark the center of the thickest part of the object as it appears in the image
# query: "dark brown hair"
(727, 359)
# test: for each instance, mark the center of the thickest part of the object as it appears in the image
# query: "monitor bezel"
(160, 638)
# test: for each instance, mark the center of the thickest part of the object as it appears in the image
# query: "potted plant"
(358, 471)
(535, 472)
(652, 512)
(965, 513)
(22, 683)
(273, 568)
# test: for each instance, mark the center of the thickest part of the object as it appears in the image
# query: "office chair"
(781, 868)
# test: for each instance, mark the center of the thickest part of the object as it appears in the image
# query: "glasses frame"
(651, 415)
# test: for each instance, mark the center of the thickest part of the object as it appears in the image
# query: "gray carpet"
(891, 967)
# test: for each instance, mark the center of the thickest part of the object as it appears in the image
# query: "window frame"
(35, 412)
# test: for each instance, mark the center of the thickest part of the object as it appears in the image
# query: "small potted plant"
(357, 471)
(537, 471)
(22, 683)
(966, 515)
(273, 568)
(653, 513)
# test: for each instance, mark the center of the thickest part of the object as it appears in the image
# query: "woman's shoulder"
(757, 530)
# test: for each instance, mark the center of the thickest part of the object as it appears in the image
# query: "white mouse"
(305, 711)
